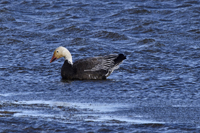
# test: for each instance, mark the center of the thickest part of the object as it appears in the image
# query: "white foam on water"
(33, 102)
(26, 113)
(102, 107)
(97, 112)
(123, 119)
(15, 94)
(31, 113)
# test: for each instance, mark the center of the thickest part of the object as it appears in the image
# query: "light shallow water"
(155, 89)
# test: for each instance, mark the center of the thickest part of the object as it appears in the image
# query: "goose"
(88, 68)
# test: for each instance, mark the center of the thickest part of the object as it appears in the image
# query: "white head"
(62, 52)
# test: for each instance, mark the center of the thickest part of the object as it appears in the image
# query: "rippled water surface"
(156, 89)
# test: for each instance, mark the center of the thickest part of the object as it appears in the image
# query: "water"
(156, 89)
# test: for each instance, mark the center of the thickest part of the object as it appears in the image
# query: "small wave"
(197, 31)
(71, 29)
(146, 41)
(12, 41)
(138, 11)
(111, 35)
(79, 41)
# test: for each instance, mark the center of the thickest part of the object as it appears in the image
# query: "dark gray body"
(91, 68)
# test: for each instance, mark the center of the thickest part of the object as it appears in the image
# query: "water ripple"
(155, 89)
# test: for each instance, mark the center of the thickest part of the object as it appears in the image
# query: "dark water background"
(156, 89)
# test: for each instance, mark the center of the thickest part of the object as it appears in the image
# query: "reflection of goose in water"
(88, 68)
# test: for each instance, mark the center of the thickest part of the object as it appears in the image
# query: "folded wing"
(107, 63)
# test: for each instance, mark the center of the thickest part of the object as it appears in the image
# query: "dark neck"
(67, 70)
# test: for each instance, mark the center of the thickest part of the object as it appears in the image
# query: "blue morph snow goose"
(88, 68)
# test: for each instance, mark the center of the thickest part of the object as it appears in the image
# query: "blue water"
(156, 89)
